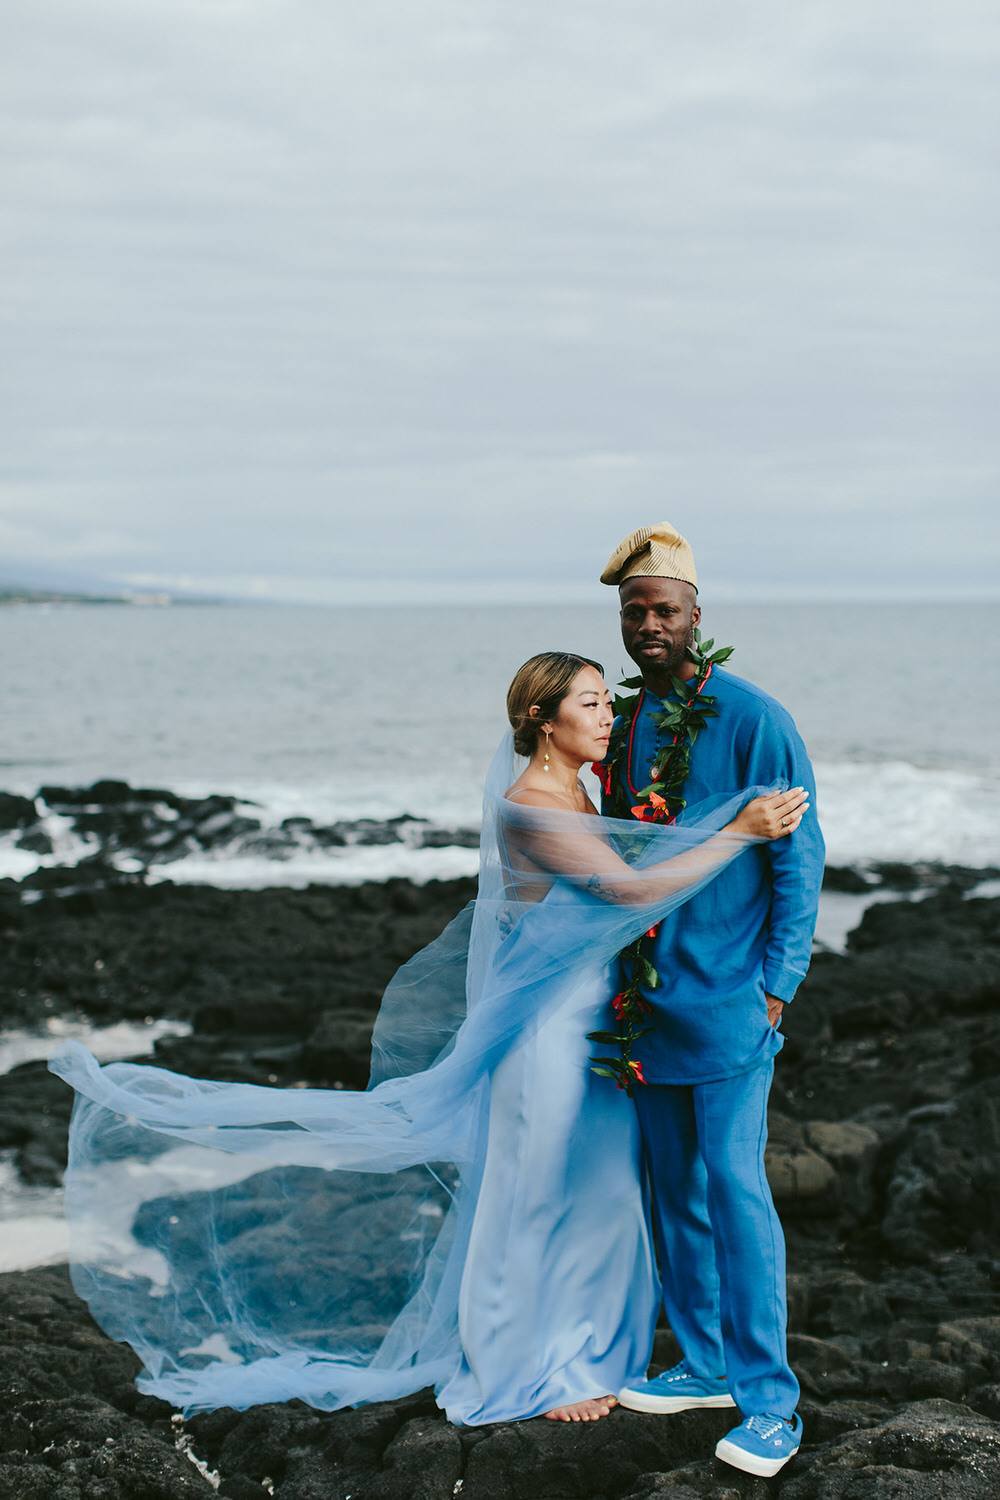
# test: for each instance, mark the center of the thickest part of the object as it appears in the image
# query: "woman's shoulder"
(536, 796)
(532, 796)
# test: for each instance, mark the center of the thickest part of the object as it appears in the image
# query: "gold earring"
(545, 762)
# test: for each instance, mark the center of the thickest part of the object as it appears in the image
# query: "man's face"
(658, 618)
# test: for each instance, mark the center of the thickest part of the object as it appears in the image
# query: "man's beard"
(669, 664)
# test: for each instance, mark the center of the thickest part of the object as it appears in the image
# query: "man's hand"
(774, 1009)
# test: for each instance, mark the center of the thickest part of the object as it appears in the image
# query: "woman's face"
(582, 727)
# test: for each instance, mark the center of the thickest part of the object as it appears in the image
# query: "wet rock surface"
(884, 1155)
(149, 826)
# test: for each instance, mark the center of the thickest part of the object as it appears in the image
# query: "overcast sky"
(303, 298)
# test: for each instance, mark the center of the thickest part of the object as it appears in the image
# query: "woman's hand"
(773, 816)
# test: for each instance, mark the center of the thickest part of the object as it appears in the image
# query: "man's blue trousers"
(720, 1243)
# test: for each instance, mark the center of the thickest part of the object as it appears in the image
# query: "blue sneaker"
(762, 1444)
(676, 1390)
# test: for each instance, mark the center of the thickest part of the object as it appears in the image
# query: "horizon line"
(363, 596)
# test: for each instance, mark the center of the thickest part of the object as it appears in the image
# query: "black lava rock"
(883, 1153)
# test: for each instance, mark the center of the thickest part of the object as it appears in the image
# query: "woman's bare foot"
(583, 1411)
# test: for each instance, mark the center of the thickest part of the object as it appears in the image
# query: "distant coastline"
(10, 594)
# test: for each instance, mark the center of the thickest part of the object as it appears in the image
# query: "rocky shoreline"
(884, 1156)
(147, 827)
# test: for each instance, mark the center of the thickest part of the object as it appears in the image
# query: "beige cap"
(657, 551)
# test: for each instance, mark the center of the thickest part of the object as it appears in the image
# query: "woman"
(475, 1219)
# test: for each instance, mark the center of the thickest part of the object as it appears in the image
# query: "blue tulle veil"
(256, 1244)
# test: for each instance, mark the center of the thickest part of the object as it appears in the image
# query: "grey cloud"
(495, 282)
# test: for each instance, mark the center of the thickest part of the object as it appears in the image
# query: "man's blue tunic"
(750, 930)
(710, 1056)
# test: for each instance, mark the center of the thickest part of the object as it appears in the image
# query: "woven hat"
(657, 551)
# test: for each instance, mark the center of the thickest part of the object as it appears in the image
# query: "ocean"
(374, 712)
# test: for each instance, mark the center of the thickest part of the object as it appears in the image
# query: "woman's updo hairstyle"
(545, 680)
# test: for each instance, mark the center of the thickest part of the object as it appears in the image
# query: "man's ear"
(696, 614)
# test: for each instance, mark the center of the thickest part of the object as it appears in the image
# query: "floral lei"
(677, 728)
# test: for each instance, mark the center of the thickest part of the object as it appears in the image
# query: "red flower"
(637, 1070)
(652, 931)
(603, 774)
(654, 810)
(645, 813)
(618, 1004)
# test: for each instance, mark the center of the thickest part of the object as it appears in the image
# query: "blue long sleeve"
(777, 752)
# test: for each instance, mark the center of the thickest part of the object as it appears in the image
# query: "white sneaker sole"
(639, 1401)
(750, 1463)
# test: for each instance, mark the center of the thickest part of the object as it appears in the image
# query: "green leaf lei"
(677, 728)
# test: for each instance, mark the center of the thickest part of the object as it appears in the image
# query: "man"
(727, 963)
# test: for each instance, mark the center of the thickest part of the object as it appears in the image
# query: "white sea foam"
(120, 1039)
(870, 811)
(347, 866)
(446, 801)
(33, 1230)
(68, 848)
(892, 810)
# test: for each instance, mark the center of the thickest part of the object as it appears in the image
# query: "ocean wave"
(871, 811)
(892, 810)
(351, 866)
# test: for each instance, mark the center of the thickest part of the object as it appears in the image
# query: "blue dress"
(559, 1295)
(473, 1221)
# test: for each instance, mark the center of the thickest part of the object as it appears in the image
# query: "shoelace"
(679, 1371)
(765, 1427)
